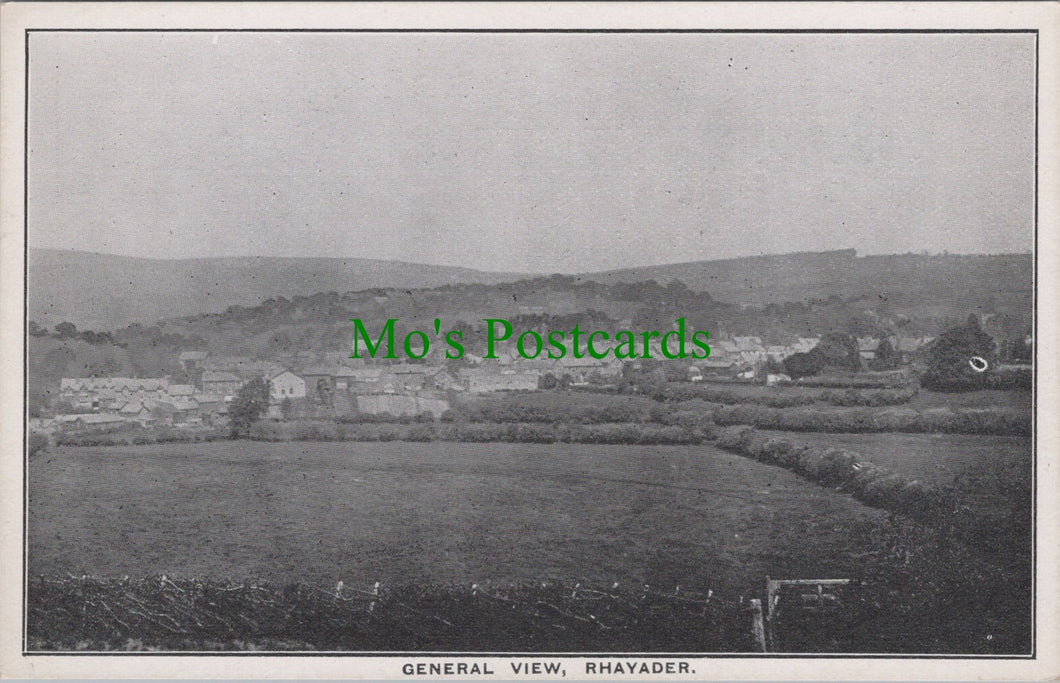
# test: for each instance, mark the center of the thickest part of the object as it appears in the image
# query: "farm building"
(181, 391)
(401, 404)
(867, 347)
(286, 385)
(221, 382)
(581, 370)
(95, 421)
(192, 360)
(484, 380)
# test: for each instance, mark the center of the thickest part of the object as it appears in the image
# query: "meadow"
(441, 513)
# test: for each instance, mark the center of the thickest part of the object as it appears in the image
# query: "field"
(406, 513)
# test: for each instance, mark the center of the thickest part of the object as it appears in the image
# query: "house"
(694, 374)
(135, 411)
(210, 404)
(92, 392)
(777, 378)
(483, 380)
(581, 370)
(750, 349)
(443, 380)
(907, 348)
(186, 411)
(319, 380)
(724, 350)
(804, 345)
(401, 404)
(363, 380)
(181, 391)
(95, 421)
(867, 347)
(221, 382)
(778, 353)
(192, 360)
(286, 385)
(715, 367)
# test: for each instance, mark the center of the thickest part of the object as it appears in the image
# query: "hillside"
(104, 292)
(955, 280)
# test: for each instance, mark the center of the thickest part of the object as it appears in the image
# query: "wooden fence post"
(758, 626)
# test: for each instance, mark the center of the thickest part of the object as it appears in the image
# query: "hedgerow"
(994, 421)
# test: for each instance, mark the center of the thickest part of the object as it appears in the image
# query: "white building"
(286, 385)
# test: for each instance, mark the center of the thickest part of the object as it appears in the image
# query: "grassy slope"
(403, 512)
(104, 291)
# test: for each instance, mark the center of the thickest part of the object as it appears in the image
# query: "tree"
(249, 406)
(65, 330)
(886, 358)
(840, 351)
(36, 330)
(804, 364)
(953, 360)
(287, 408)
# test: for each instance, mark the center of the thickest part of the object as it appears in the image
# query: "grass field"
(442, 513)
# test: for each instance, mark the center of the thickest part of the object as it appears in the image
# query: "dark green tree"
(840, 351)
(886, 358)
(249, 406)
(804, 364)
(953, 360)
(65, 330)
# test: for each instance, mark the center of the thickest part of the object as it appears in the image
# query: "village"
(334, 385)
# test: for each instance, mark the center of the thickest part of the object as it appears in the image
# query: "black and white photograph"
(541, 351)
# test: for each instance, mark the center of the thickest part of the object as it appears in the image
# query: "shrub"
(884, 492)
(420, 432)
(735, 438)
(36, 443)
(996, 421)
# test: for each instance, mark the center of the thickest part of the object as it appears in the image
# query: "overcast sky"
(536, 153)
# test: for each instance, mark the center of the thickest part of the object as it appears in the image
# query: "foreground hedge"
(485, 432)
(142, 437)
(782, 398)
(993, 421)
(839, 468)
(1000, 529)
(166, 614)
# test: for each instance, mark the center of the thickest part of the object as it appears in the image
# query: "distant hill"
(103, 291)
(957, 281)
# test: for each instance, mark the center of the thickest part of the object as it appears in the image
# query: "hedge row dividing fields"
(1000, 528)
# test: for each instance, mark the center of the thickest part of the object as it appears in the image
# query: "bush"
(854, 397)
(36, 443)
(420, 432)
(995, 421)
(735, 438)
